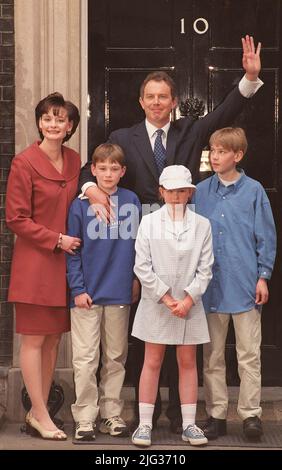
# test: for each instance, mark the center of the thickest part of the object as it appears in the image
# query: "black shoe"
(214, 428)
(176, 426)
(252, 427)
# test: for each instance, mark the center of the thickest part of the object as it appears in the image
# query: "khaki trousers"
(107, 325)
(247, 326)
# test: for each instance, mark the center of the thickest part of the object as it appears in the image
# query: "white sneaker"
(142, 435)
(84, 431)
(194, 435)
(114, 426)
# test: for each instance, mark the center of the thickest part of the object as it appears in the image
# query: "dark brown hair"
(231, 138)
(55, 101)
(113, 152)
(159, 76)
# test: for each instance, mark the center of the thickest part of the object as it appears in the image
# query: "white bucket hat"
(175, 177)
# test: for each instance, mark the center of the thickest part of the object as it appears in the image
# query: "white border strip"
(84, 81)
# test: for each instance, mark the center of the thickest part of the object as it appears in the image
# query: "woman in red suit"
(42, 183)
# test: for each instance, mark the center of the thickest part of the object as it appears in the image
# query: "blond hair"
(231, 138)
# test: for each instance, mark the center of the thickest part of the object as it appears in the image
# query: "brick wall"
(7, 145)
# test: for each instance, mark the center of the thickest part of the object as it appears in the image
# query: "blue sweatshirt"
(103, 265)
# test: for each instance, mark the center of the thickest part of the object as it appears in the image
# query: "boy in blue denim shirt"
(244, 242)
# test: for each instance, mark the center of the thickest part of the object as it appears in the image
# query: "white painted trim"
(84, 81)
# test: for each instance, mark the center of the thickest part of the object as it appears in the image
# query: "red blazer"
(38, 199)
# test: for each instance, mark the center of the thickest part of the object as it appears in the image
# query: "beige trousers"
(108, 326)
(247, 326)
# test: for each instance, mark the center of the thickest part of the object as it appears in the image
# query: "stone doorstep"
(271, 403)
(271, 400)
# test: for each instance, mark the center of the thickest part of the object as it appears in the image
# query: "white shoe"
(194, 435)
(142, 435)
(84, 431)
(114, 426)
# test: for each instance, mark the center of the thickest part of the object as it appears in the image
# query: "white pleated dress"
(178, 260)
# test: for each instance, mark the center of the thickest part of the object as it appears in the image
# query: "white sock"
(146, 411)
(188, 414)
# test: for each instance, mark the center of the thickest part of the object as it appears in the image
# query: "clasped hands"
(179, 308)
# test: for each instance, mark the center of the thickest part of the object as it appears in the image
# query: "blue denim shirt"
(244, 241)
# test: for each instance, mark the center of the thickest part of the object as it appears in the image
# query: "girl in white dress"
(173, 263)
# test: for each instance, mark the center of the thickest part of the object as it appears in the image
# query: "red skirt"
(41, 320)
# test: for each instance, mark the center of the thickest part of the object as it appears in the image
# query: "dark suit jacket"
(185, 141)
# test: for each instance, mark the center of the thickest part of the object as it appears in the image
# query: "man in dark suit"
(157, 142)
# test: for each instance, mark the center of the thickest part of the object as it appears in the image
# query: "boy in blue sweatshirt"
(244, 243)
(102, 287)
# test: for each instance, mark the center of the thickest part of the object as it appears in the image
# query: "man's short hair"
(159, 76)
(231, 138)
(113, 152)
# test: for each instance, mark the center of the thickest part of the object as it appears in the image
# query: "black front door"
(199, 43)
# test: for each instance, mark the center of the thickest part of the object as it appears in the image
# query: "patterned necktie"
(159, 151)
